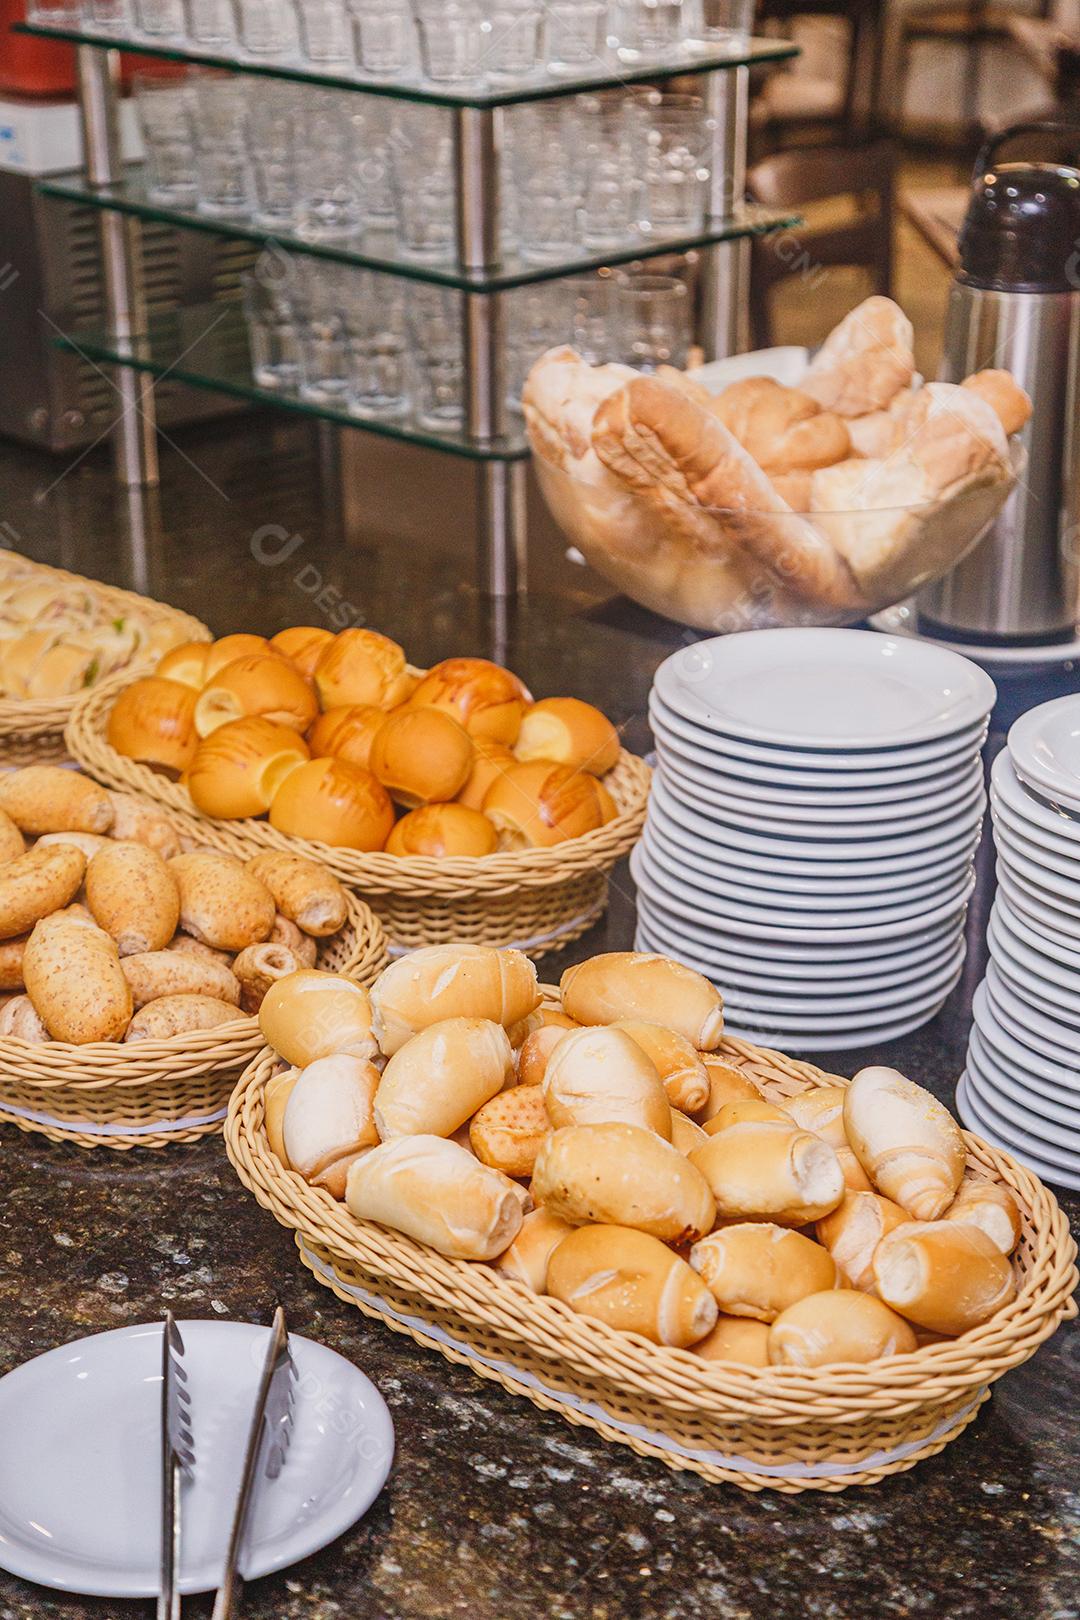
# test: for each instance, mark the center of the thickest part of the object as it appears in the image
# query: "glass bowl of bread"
(764, 504)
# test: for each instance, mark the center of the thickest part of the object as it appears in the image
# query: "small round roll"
(840, 1326)
(346, 733)
(153, 974)
(153, 720)
(907, 1142)
(49, 799)
(303, 890)
(443, 831)
(257, 967)
(438, 1193)
(438, 1080)
(421, 756)
(451, 981)
(758, 1269)
(311, 1015)
(179, 1015)
(133, 896)
(509, 1130)
(238, 769)
(853, 1231)
(535, 1051)
(736, 1338)
(748, 1108)
(569, 731)
(185, 663)
(632, 1282)
(944, 1275)
(821, 1110)
(74, 979)
(597, 1076)
(276, 1093)
(334, 803)
(726, 1084)
(640, 985)
(34, 885)
(490, 760)
(526, 1260)
(255, 685)
(221, 903)
(241, 644)
(682, 1073)
(362, 666)
(540, 805)
(623, 1175)
(329, 1119)
(483, 697)
(303, 645)
(763, 1170)
(991, 1207)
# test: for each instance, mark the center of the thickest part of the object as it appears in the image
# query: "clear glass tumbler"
(725, 23)
(275, 135)
(325, 32)
(677, 167)
(589, 323)
(324, 350)
(273, 335)
(372, 126)
(536, 320)
(113, 16)
(422, 163)
(453, 39)
(512, 49)
(576, 35)
(166, 114)
(162, 19)
(384, 37)
(378, 348)
(613, 136)
(548, 177)
(435, 321)
(649, 29)
(329, 184)
(653, 318)
(211, 22)
(226, 182)
(267, 27)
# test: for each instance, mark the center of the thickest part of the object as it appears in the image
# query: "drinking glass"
(325, 32)
(108, 14)
(211, 22)
(422, 164)
(267, 27)
(324, 352)
(547, 176)
(378, 350)
(275, 134)
(725, 22)
(384, 36)
(589, 323)
(372, 132)
(163, 19)
(613, 139)
(329, 189)
(56, 13)
(165, 109)
(437, 357)
(512, 48)
(649, 28)
(226, 184)
(653, 320)
(576, 35)
(452, 39)
(535, 322)
(273, 336)
(677, 166)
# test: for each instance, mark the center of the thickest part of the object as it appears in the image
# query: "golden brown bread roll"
(179, 1015)
(20, 1021)
(257, 967)
(36, 884)
(534, 1053)
(821, 1110)
(153, 974)
(276, 1093)
(285, 932)
(362, 666)
(335, 803)
(864, 362)
(303, 890)
(944, 1275)
(758, 1269)
(328, 1119)
(763, 1170)
(677, 1062)
(311, 1015)
(640, 985)
(74, 979)
(132, 895)
(726, 1084)
(539, 805)
(436, 1192)
(442, 831)
(50, 799)
(421, 756)
(185, 663)
(736, 1338)
(907, 1142)
(989, 1206)
(1003, 393)
(526, 1260)
(226, 649)
(89, 843)
(451, 981)
(346, 733)
(153, 720)
(837, 1327)
(686, 1134)
(570, 732)
(140, 823)
(783, 429)
(303, 645)
(238, 769)
(598, 1076)
(508, 1130)
(489, 760)
(186, 946)
(632, 1282)
(626, 1176)
(853, 1231)
(12, 842)
(745, 1108)
(11, 955)
(519, 1033)
(256, 685)
(220, 902)
(483, 697)
(437, 1081)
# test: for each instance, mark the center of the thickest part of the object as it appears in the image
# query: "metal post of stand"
(134, 435)
(724, 324)
(500, 505)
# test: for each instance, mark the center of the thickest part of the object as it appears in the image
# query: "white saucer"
(1044, 918)
(81, 1459)
(902, 619)
(718, 796)
(975, 1122)
(1022, 1082)
(1034, 843)
(848, 689)
(1045, 748)
(1026, 804)
(1023, 1058)
(1051, 1139)
(912, 993)
(838, 1039)
(1045, 1035)
(1010, 936)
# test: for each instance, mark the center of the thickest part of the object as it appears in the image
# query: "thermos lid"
(1022, 229)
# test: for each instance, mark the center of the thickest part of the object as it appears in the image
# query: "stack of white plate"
(813, 820)
(1022, 1084)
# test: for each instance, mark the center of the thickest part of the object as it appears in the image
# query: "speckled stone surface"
(494, 1510)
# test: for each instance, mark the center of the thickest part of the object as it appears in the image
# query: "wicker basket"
(153, 1093)
(787, 1428)
(537, 900)
(32, 729)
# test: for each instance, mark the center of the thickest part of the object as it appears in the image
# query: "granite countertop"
(494, 1510)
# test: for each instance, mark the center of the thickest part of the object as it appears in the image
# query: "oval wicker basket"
(153, 1093)
(786, 1428)
(32, 729)
(537, 900)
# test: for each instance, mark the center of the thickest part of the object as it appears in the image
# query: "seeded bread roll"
(438, 1193)
(20, 1021)
(257, 967)
(184, 945)
(12, 842)
(437, 1081)
(142, 824)
(11, 955)
(764, 1170)
(451, 981)
(153, 974)
(632, 1282)
(738, 1339)
(597, 1076)
(840, 1326)
(526, 1260)
(285, 932)
(179, 1015)
(220, 902)
(89, 843)
(303, 890)
(48, 798)
(726, 1084)
(640, 985)
(133, 896)
(907, 1142)
(944, 1275)
(329, 1120)
(75, 981)
(853, 1231)
(36, 884)
(748, 1108)
(989, 1206)
(509, 1130)
(623, 1175)
(758, 1269)
(312, 1015)
(677, 1062)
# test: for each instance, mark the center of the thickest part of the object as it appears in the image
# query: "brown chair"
(791, 181)
(779, 122)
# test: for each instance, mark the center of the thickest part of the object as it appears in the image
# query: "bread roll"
(179, 1015)
(241, 644)
(639, 985)
(766, 1171)
(140, 823)
(185, 663)
(736, 1338)
(20, 1021)
(490, 760)
(220, 902)
(153, 974)
(682, 1073)
(89, 843)
(438, 1080)
(334, 803)
(276, 1093)
(328, 1119)
(238, 769)
(853, 1231)
(855, 1177)
(133, 896)
(526, 1260)
(153, 720)
(303, 891)
(632, 1282)
(421, 756)
(539, 805)
(49, 799)
(451, 981)
(598, 1076)
(74, 979)
(821, 1110)
(12, 842)
(507, 1132)
(36, 884)
(436, 1192)
(483, 697)
(686, 1134)
(864, 362)
(11, 955)
(989, 1206)
(945, 1275)
(759, 1269)
(840, 1326)
(303, 645)
(907, 1142)
(1004, 395)
(257, 967)
(626, 1176)
(726, 1084)
(519, 1033)
(184, 945)
(570, 732)
(442, 831)
(285, 932)
(311, 1015)
(362, 666)
(783, 429)
(535, 1051)
(255, 685)
(747, 1108)
(346, 733)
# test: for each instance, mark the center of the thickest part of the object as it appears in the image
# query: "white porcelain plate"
(1025, 804)
(80, 1460)
(1062, 891)
(727, 796)
(741, 1003)
(1045, 1035)
(837, 1037)
(1015, 939)
(1045, 749)
(1016, 1053)
(1022, 1084)
(1051, 1138)
(1035, 844)
(1037, 905)
(781, 966)
(975, 1121)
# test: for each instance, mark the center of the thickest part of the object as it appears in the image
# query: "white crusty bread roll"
(764, 1170)
(677, 1062)
(133, 896)
(989, 1206)
(625, 1176)
(758, 1269)
(736, 1338)
(21, 1021)
(312, 1015)
(220, 902)
(12, 842)
(11, 955)
(519, 1033)
(438, 1193)
(907, 1142)
(276, 1093)
(179, 1015)
(782, 428)
(597, 1076)
(257, 967)
(451, 981)
(526, 1260)
(142, 824)
(49, 798)
(686, 1134)
(864, 362)
(561, 395)
(437, 1081)
(821, 1110)
(36, 884)
(853, 1231)
(303, 890)
(840, 1326)
(507, 1132)
(570, 732)
(74, 979)
(153, 974)
(855, 1177)
(944, 1275)
(329, 1119)
(534, 1052)
(647, 987)
(632, 1282)
(726, 1084)
(744, 1109)
(1003, 394)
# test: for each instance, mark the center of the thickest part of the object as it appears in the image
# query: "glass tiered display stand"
(206, 346)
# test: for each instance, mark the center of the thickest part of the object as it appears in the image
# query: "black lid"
(1022, 229)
